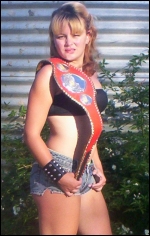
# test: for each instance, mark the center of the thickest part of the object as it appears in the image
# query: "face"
(71, 47)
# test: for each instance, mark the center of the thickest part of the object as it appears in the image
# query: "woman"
(67, 175)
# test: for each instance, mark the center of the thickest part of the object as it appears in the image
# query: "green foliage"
(124, 152)
(18, 211)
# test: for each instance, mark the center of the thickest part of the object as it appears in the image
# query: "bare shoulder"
(39, 100)
(96, 81)
(43, 80)
(44, 75)
(43, 86)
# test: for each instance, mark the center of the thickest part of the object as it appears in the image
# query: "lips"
(69, 50)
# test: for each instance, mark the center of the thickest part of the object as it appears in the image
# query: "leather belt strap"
(78, 86)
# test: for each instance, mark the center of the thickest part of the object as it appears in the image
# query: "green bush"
(125, 150)
(124, 155)
(18, 211)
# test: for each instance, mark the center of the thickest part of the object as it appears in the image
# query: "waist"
(63, 159)
(59, 155)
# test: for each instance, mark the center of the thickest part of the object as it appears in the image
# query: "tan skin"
(64, 214)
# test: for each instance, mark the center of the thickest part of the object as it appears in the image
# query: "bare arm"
(98, 173)
(39, 102)
(96, 159)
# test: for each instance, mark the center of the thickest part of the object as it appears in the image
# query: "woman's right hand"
(69, 185)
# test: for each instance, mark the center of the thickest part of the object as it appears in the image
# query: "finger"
(94, 172)
(74, 191)
(78, 187)
(90, 185)
(98, 189)
(68, 194)
(103, 183)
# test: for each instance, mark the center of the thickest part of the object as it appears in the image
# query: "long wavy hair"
(78, 18)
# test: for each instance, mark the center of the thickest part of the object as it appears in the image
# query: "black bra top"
(63, 105)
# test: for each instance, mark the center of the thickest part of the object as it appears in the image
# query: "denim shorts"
(39, 181)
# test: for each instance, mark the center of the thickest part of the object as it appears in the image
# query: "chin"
(69, 57)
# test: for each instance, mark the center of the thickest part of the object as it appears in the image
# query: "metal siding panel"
(123, 31)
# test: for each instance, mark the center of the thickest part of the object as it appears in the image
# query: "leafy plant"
(125, 149)
(18, 211)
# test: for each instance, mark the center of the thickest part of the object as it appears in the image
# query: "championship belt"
(78, 86)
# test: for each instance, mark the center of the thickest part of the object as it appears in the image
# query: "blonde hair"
(78, 18)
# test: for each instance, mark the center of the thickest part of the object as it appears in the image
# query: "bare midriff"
(69, 135)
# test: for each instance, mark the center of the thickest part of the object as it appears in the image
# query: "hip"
(39, 181)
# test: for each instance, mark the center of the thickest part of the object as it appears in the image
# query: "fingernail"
(90, 185)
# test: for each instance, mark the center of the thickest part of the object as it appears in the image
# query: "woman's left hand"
(100, 180)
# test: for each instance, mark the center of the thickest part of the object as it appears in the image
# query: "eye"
(76, 35)
(59, 36)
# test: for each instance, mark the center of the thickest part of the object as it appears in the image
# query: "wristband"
(54, 170)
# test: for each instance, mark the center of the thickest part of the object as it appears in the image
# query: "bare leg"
(94, 218)
(58, 214)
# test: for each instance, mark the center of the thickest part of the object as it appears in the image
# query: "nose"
(69, 40)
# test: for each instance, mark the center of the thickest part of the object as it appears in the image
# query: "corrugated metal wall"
(123, 30)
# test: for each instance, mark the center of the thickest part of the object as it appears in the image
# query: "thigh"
(94, 217)
(58, 214)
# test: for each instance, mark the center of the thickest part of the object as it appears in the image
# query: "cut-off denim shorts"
(39, 181)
